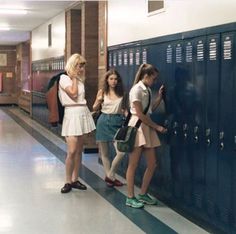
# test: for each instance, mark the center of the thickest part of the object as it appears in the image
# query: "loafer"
(66, 188)
(78, 185)
(109, 182)
(118, 183)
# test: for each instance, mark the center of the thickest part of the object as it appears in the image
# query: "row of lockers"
(198, 159)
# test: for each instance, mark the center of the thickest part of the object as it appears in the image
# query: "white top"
(112, 106)
(65, 81)
(139, 92)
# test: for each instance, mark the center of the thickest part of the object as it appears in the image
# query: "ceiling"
(38, 12)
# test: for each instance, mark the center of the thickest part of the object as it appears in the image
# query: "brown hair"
(119, 90)
(145, 69)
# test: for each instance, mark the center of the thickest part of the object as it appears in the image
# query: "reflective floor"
(32, 173)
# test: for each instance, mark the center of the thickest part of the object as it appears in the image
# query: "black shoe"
(66, 188)
(78, 185)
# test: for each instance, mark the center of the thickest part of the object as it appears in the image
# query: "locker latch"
(185, 128)
(196, 134)
(221, 140)
(175, 125)
(208, 134)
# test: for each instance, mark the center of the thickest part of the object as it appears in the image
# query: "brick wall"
(73, 32)
(102, 41)
(90, 48)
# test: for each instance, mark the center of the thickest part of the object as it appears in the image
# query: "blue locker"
(234, 136)
(211, 131)
(189, 104)
(198, 139)
(177, 146)
(225, 135)
(162, 178)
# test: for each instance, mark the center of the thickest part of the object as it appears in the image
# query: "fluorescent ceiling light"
(13, 11)
(4, 28)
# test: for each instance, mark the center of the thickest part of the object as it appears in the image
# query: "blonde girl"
(77, 119)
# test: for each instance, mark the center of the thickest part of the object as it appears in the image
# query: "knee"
(152, 166)
(132, 166)
(71, 154)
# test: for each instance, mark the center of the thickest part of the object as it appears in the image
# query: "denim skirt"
(107, 126)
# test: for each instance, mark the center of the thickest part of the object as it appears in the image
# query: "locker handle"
(166, 123)
(196, 139)
(185, 135)
(208, 141)
(221, 145)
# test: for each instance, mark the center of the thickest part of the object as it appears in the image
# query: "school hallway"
(32, 174)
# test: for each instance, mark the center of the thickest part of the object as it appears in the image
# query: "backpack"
(55, 108)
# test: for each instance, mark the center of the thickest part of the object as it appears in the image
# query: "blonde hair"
(145, 69)
(71, 66)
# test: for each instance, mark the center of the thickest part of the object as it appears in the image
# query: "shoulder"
(64, 78)
(100, 92)
(136, 88)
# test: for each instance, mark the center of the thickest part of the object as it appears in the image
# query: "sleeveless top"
(112, 106)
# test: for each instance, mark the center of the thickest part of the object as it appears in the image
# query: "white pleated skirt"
(77, 121)
(146, 136)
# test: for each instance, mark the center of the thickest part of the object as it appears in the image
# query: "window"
(154, 7)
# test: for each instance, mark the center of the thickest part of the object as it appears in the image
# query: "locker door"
(131, 75)
(226, 155)
(110, 57)
(211, 131)
(162, 177)
(176, 138)
(234, 136)
(199, 122)
(188, 119)
(125, 69)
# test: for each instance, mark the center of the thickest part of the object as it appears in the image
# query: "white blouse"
(65, 81)
(139, 92)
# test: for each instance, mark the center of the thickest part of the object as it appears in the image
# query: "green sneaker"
(147, 199)
(133, 202)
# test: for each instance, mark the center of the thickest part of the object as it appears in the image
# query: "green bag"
(125, 138)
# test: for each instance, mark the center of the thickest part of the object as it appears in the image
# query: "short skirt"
(107, 126)
(146, 136)
(77, 121)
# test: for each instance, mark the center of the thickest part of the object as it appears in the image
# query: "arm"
(72, 91)
(99, 100)
(157, 102)
(145, 118)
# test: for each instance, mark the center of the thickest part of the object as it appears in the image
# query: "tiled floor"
(32, 173)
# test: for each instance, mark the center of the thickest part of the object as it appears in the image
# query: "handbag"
(125, 136)
(96, 115)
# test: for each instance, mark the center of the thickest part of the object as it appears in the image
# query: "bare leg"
(151, 165)
(115, 163)
(103, 146)
(130, 173)
(70, 158)
(78, 158)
